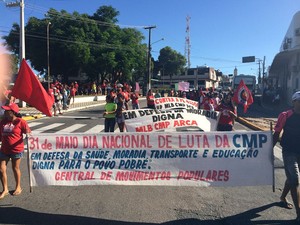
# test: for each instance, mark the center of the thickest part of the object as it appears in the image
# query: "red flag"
(243, 95)
(29, 89)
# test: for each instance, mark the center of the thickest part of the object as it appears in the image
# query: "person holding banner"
(289, 122)
(119, 115)
(12, 128)
(228, 114)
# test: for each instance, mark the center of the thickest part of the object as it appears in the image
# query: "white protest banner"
(183, 86)
(149, 120)
(174, 102)
(169, 159)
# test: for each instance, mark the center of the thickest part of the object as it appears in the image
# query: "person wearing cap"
(289, 122)
(12, 128)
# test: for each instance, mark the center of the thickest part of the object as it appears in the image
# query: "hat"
(296, 96)
(12, 106)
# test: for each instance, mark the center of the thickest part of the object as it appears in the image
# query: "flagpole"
(273, 159)
(48, 54)
(28, 163)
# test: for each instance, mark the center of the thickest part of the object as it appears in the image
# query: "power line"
(94, 44)
(74, 18)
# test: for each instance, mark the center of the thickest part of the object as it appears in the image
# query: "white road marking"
(33, 124)
(278, 153)
(70, 129)
(49, 127)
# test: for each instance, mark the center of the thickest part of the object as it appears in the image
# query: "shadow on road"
(15, 215)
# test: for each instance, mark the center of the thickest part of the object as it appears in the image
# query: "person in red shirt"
(228, 114)
(135, 100)
(208, 103)
(12, 128)
(150, 100)
(73, 91)
(76, 86)
(126, 97)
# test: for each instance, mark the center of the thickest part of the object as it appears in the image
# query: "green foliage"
(94, 45)
(171, 61)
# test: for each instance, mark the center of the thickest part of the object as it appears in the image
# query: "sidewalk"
(259, 116)
(29, 113)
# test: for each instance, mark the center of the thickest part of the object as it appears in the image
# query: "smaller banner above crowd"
(183, 86)
(150, 120)
(174, 102)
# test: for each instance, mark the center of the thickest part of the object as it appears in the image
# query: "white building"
(284, 72)
(199, 77)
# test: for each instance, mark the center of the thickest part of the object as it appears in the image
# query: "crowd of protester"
(64, 94)
(207, 100)
(213, 101)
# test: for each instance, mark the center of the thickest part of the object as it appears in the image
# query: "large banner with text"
(169, 159)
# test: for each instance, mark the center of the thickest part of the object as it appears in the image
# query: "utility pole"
(259, 70)
(22, 35)
(263, 72)
(149, 58)
(22, 29)
(187, 42)
(48, 54)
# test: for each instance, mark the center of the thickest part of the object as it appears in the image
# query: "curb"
(37, 116)
(248, 124)
(40, 115)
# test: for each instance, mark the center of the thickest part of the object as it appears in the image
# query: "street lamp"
(48, 54)
(149, 58)
(157, 41)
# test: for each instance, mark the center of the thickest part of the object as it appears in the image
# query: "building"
(199, 77)
(284, 73)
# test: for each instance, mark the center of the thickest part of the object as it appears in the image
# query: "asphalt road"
(120, 205)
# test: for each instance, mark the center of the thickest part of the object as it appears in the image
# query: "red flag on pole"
(243, 95)
(29, 89)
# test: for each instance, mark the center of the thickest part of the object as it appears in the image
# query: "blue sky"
(221, 31)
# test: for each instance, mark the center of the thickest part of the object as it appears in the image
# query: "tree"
(95, 45)
(171, 61)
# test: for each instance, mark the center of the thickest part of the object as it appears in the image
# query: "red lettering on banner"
(205, 142)
(162, 125)
(146, 128)
(202, 175)
(222, 141)
(163, 100)
(191, 141)
(90, 142)
(66, 142)
(106, 175)
(164, 141)
(74, 175)
(126, 141)
(181, 123)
